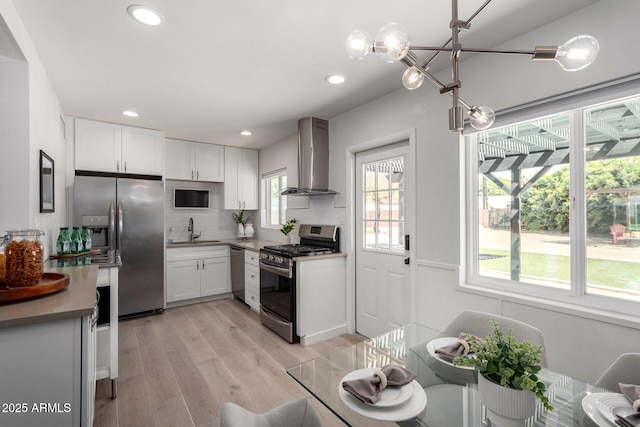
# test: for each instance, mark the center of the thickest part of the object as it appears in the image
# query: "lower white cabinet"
(48, 373)
(196, 272)
(252, 280)
(321, 310)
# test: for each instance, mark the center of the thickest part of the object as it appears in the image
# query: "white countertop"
(251, 244)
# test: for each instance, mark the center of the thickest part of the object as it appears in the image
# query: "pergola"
(611, 131)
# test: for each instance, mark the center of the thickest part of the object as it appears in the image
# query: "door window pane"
(384, 205)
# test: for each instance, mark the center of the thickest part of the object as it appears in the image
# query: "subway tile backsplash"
(214, 223)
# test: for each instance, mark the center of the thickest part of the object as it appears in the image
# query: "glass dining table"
(451, 397)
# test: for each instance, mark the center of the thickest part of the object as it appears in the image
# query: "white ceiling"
(216, 67)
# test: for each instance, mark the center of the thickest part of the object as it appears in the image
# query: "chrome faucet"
(192, 237)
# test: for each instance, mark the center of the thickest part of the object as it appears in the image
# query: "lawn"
(614, 274)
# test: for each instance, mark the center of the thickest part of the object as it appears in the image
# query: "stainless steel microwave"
(188, 198)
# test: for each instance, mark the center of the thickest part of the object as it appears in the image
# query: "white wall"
(579, 343)
(20, 149)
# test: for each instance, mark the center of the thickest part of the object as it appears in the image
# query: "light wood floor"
(178, 368)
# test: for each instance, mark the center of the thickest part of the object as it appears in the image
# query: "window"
(555, 203)
(275, 204)
(383, 211)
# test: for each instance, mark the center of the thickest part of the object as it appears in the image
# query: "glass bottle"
(76, 241)
(86, 239)
(23, 254)
(60, 247)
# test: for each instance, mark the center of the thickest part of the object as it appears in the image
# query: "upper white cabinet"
(241, 178)
(108, 147)
(194, 161)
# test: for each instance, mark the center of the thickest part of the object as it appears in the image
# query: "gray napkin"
(632, 420)
(369, 389)
(457, 349)
(632, 392)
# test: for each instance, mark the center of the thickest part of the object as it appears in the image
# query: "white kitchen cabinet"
(48, 373)
(241, 178)
(108, 147)
(196, 272)
(252, 280)
(320, 299)
(194, 161)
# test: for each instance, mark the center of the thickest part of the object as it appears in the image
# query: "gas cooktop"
(298, 250)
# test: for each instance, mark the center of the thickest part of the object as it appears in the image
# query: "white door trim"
(348, 231)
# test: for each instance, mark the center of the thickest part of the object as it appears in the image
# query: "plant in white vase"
(511, 365)
(241, 220)
(287, 228)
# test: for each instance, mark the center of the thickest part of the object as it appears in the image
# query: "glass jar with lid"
(23, 254)
(3, 243)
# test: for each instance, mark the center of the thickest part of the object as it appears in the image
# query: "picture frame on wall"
(47, 172)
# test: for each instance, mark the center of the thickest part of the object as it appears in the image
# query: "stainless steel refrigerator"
(128, 215)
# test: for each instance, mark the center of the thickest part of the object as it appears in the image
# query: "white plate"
(612, 404)
(443, 342)
(590, 406)
(404, 411)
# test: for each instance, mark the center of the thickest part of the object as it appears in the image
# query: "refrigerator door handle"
(112, 226)
(120, 226)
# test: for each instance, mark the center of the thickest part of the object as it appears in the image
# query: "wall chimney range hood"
(313, 159)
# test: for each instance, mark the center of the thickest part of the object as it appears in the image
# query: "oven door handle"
(285, 272)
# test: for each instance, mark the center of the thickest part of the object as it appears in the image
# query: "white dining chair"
(295, 413)
(478, 323)
(625, 369)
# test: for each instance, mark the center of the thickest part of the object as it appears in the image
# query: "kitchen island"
(48, 355)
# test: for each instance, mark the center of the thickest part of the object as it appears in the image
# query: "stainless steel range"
(278, 276)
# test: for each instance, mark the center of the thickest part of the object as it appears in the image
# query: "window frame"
(282, 200)
(576, 297)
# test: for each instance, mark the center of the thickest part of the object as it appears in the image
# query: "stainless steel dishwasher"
(237, 272)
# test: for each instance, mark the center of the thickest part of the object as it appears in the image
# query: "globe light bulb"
(412, 78)
(358, 44)
(392, 42)
(481, 118)
(577, 53)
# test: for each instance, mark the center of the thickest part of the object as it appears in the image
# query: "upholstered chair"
(295, 413)
(625, 369)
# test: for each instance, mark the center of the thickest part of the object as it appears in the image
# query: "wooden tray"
(49, 282)
(94, 251)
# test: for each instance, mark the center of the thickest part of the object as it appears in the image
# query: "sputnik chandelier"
(392, 44)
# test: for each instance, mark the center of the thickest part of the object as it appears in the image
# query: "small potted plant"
(240, 219)
(507, 381)
(287, 228)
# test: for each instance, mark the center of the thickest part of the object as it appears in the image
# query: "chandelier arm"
(478, 11)
(441, 85)
(467, 22)
(475, 50)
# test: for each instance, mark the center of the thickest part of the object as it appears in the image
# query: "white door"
(383, 197)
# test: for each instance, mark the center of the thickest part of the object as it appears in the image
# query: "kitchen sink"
(196, 242)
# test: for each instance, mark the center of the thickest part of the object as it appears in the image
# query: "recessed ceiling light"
(246, 133)
(144, 14)
(130, 113)
(334, 79)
